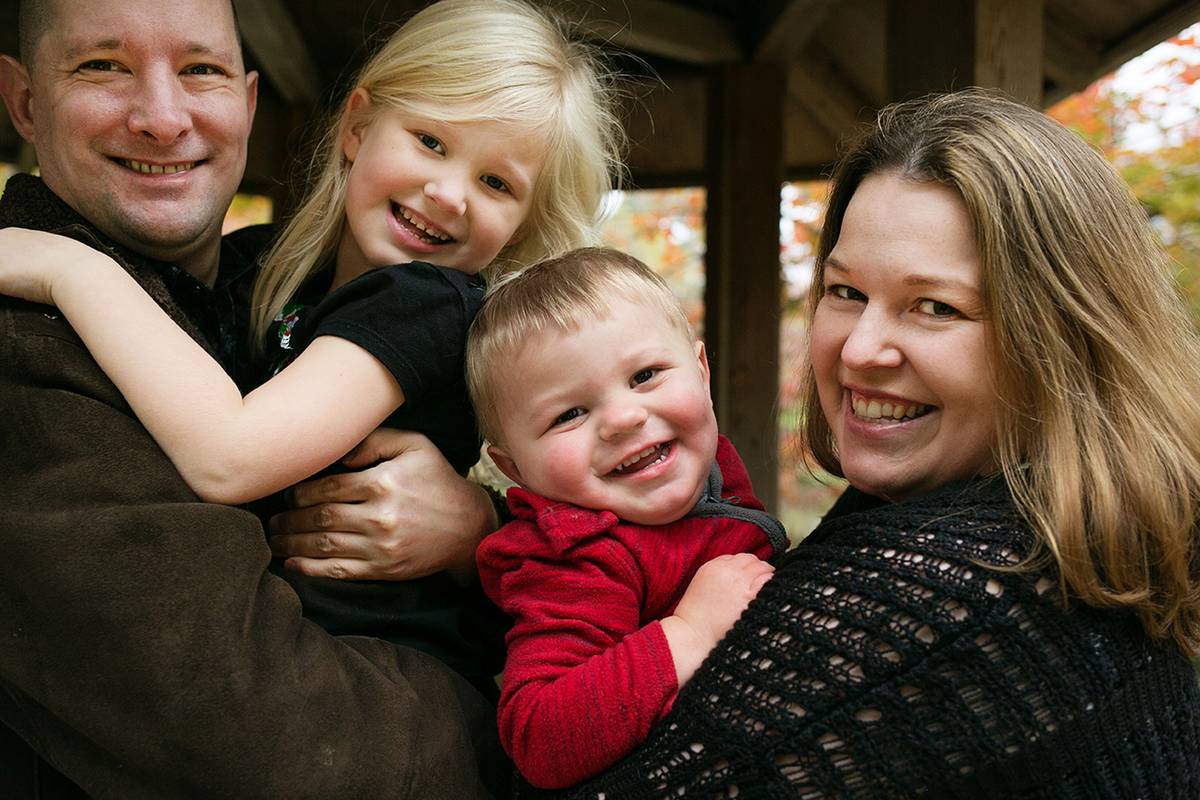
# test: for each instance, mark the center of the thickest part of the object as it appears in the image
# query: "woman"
(1004, 603)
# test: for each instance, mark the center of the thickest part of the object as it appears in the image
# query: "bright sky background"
(1150, 76)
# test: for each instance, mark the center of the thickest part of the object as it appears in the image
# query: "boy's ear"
(703, 356)
(505, 463)
(354, 122)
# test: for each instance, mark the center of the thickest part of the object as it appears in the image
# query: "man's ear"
(18, 97)
(354, 122)
(251, 94)
(505, 463)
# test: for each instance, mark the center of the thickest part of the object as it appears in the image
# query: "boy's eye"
(935, 308)
(493, 182)
(641, 376)
(846, 292)
(568, 415)
(432, 142)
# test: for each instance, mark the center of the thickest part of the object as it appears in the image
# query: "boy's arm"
(584, 682)
(228, 448)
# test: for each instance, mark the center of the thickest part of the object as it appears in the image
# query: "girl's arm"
(228, 448)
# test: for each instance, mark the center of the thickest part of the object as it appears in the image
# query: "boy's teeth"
(156, 169)
(422, 227)
(642, 456)
(887, 410)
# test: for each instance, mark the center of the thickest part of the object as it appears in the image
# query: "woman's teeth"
(647, 458)
(432, 235)
(876, 410)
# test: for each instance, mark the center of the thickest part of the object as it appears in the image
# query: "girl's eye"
(937, 309)
(432, 142)
(493, 182)
(846, 292)
(568, 415)
(642, 376)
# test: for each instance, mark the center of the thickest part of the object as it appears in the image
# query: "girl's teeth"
(432, 234)
(887, 410)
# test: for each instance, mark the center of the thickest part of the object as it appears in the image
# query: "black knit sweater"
(886, 659)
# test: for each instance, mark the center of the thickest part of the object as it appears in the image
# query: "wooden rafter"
(816, 84)
(660, 28)
(275, 40)
(791, 30)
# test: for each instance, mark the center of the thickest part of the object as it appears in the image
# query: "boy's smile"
(614, 414)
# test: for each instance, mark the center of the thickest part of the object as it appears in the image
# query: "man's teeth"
(885, 410)
(638, 457)
(423, 228)
(156, 169)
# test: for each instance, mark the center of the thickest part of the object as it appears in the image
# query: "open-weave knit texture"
(889, 659)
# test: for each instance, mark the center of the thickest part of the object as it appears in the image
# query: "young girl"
(479, 135)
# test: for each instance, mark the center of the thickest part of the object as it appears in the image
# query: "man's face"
(140, 112)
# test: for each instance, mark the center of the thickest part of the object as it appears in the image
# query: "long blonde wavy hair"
(461, 61)
(1094, 356)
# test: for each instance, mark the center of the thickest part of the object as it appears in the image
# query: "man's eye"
(641, 376)
(846, 292)
(99, 65)
(203, 69)
(432, 142)
(568, 415)
(935, 308)
(493, 182)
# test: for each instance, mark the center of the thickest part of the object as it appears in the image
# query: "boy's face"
(615, 416)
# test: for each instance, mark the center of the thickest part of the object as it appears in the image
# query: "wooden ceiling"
(840, 58)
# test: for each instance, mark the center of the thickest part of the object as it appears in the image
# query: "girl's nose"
(448, 195)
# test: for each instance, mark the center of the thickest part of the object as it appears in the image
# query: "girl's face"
(421, 190)
(899, 341)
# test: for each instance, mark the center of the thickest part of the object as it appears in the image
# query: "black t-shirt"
(413, 318)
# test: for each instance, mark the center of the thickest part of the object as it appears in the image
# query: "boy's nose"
(622, 420)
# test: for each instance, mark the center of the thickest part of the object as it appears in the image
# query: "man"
(144, 649)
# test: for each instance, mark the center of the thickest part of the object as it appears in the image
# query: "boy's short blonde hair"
(559, 293)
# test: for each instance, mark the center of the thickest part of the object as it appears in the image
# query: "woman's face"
(899, 341)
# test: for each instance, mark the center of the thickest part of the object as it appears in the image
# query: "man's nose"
(159, 107)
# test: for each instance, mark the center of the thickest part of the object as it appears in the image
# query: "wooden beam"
(820, 88)
(272, 36)
(792, 30)
(1139, 39)
(1008, 47)
(927, 46)
(743, 285)
(1070, 60)
(660, 28)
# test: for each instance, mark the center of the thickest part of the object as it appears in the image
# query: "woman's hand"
(32, 262)
(718, 594)
(407, 516)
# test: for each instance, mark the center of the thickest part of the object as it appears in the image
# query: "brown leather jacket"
(145, 651)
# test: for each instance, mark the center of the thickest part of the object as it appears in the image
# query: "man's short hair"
(33, 18)
(559, 293)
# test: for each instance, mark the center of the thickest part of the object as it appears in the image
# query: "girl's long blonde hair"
(1095, 358)
(461, 61)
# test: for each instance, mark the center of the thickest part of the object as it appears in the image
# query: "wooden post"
(937, 45)
(743, 289)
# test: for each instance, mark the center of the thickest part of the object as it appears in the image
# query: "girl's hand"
(33, 262)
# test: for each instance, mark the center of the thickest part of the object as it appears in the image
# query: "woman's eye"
(642, 376)
(493, 182)
(935, 308)
(568, 415)
(846, 292)
(432, 142)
